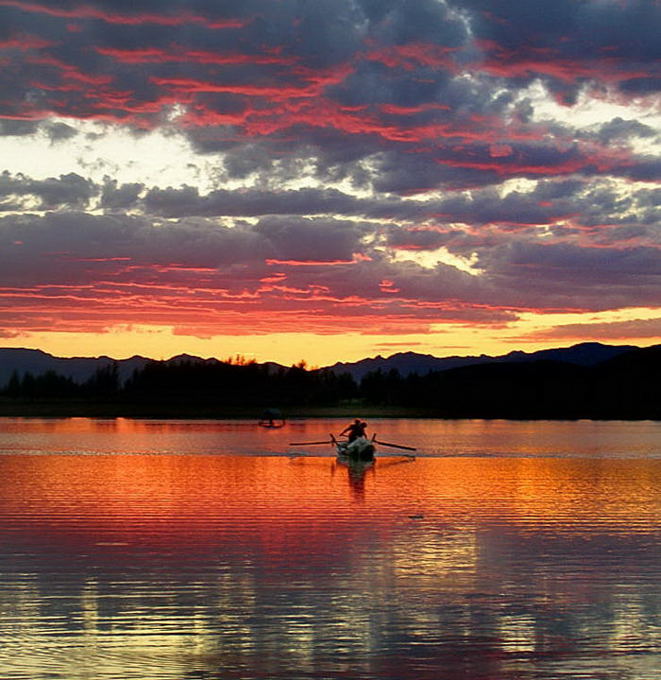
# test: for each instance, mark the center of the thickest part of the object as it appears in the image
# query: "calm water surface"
(175, 550)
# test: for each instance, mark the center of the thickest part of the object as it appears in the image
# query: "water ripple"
(183, 567)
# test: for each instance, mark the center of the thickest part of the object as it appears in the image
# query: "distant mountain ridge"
(582, 354)
(589, 380)
(80, 369)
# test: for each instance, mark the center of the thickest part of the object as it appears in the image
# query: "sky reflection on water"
(454, 438)
(215, 567)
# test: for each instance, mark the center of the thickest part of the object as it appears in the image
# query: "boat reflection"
(357, 470)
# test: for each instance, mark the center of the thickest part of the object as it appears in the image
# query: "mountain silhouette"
(20, 361)
(80, 369)
(589, 380)
(406, 363)
(623, 386)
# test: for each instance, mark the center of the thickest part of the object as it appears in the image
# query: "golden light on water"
(267, 492)
(165, 564)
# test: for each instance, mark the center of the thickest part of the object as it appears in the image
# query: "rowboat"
(360, 448)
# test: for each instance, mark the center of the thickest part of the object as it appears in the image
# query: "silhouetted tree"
(13, 389)
(104, 383)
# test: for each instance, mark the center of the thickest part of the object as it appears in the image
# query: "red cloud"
(393, 109)
(69, 71)
(500, 150)
(357, 257)
(154, 55)
(86, 12)
(25, 43)
(274, 92)
(203, 298)
(286, 107)
(547, 61)
(388, 286)
(413, 55)
(588, 157)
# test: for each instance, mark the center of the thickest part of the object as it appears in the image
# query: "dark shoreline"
(177, 411)
(621, 388)
(49, 409)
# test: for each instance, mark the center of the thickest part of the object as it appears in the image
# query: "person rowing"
(355, 430)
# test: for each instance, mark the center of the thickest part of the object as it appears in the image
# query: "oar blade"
(308, 443)
(395, 446)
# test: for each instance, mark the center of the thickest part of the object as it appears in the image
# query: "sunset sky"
(328, 179)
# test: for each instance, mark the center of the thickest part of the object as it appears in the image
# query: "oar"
(395, 446)
(308, 443)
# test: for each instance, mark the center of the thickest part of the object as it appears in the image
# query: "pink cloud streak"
(84, 11)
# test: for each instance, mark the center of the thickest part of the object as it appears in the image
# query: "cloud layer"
(372, 164)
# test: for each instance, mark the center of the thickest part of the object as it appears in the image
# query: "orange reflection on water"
(171, 493)
(171, 565)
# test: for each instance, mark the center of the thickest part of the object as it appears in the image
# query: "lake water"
(186, 550)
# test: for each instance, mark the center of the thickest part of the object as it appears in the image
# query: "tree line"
(624, 387)
(230, 383)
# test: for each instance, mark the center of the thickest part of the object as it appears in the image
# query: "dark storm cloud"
(312, 239)
(627, 28)
(486, 206)
(57, 132)
(568, 43)
(117, 197)
(595, 278)
(646, 169)
(596, 213)
(618, 129)
(68, 242)
(69, 190)
(419, 238)
(256, 202)
(17, 128)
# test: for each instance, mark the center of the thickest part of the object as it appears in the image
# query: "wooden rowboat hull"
(360, 449)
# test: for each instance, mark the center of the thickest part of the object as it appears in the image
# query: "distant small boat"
(271, 424)
(271, 418)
